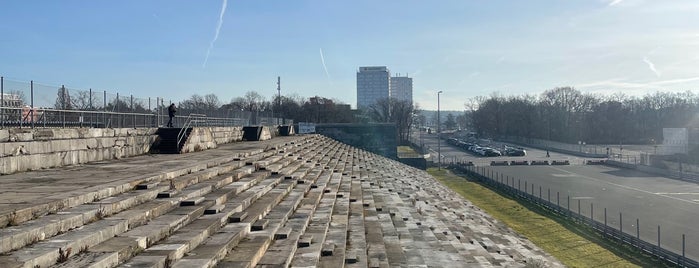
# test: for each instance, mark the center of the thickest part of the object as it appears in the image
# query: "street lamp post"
(439, 134)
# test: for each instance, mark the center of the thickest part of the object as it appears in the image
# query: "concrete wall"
(203, 138)
(380, 139)
(32, 149)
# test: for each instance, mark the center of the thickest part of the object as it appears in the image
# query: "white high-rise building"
(402, 88)
(373, 83)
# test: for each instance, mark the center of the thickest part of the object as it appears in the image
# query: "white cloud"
(676, 81)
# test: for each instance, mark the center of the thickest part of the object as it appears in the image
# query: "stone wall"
(380, 139)
(32, 149)
(203, 138)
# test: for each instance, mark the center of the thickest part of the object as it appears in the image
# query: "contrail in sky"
(322, 60)
(615, 2)
(218, 29)
(651, 66)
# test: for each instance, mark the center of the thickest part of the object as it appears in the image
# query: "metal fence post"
(525, 187)
(92, 114)
(63, 104)
(539, 191)
(592, 214)
(569, 204)
(605, 219)
(2, 100)
(621, 228)
(104, 108)
(548, 198)
(558, 199)
(133, 120)
(31, 112)
(683, 256)
(659, 236)
(116, 107)
(578, 207)
(638, 229)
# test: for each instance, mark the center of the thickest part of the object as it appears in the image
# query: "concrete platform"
(302, 201)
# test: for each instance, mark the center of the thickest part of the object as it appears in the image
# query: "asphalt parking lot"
(653, 200)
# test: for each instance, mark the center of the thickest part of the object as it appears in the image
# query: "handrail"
(187, 123)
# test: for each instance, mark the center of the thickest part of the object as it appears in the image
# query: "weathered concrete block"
(90, 132)
(20, 134)
(4, 135)
(121, 132)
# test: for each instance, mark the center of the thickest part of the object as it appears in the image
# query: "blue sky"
(464, 48)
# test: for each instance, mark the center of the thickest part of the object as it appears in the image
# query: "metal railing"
(192, 119)
(31, 105)
(54, 118)
(544, 200)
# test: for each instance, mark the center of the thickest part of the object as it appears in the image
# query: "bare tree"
(63, 100)
(394, 111)
(83, 100)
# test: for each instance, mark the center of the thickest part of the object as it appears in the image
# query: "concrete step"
(277, 216)
(323, 204)
(318, 226)
(16, 237)
(171, 223)
(194, 234)
(191, 234)
(258, 246)
(45, 227)
(217, 250)
(337, 231)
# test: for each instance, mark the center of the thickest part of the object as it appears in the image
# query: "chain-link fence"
(30, 104)
(620, 227)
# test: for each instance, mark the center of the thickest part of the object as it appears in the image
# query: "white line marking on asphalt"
(628, 187)
(677, 193)
(582, 197)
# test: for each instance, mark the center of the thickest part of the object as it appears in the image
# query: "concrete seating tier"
(304, 201)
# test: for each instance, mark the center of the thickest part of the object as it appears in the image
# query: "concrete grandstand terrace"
(298, 201)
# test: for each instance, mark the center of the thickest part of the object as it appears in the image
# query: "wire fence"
(32, 105)
(647, 158)
(586, 213)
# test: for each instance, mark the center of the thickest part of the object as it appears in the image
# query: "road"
(653, 200)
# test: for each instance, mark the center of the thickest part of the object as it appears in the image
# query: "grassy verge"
(575, 245)
(406, 151)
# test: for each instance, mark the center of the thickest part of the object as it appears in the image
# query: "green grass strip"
(407, 151)
(575, 245)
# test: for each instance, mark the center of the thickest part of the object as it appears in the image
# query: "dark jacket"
(171, 111)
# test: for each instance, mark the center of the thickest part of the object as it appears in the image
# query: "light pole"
(439, 134)
(279, 99)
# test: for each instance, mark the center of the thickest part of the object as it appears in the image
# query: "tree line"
(315, 109)
(567, 115)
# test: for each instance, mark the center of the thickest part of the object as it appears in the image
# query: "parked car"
(511, 151)
(491, 152)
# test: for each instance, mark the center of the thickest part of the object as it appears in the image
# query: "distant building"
(679, 140)
(402, 88)
(12, 100)
(373, 84)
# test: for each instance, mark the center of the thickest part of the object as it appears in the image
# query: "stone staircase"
(305, 201)
(168, 140)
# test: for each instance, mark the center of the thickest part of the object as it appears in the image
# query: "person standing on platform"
(171, 113)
